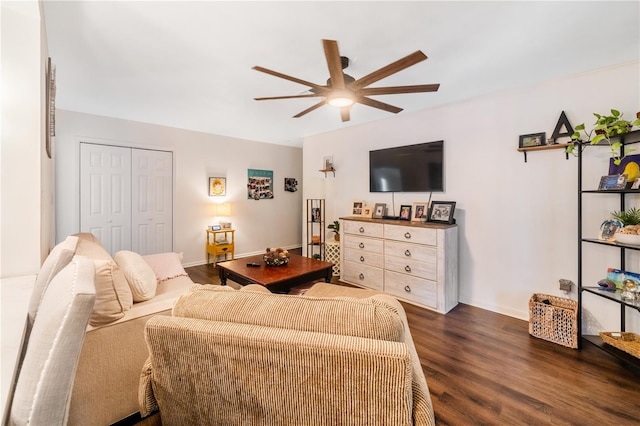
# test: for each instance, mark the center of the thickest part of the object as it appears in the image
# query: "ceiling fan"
(343, 91)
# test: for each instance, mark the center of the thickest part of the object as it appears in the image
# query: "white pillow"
(139, 274)
(166, 265)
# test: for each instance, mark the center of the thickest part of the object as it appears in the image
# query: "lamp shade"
(223, 209)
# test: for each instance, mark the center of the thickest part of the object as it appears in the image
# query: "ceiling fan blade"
(386, 71)
(345, 113)
(319, 88)
(334, 63)
(378, 104)
(419, 88)
(311, 108)
(314, 95)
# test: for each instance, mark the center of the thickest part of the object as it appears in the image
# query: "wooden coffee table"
(278, 279)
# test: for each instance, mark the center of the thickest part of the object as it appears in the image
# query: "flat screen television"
(409, 168)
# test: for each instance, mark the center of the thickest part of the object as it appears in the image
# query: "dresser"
(413, 261)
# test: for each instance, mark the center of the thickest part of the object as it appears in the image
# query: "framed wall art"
(442, 211)
(217, 186)
(419, 211)
(260, 184)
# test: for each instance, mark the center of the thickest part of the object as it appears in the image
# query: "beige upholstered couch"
(335, 355)
(114, 351)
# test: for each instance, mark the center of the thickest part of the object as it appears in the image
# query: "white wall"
(197, 156)
(517, 220)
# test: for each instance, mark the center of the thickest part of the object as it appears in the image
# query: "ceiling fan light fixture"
(340, 98)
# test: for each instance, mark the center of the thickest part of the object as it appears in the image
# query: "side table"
(332, 253)
(217, 246)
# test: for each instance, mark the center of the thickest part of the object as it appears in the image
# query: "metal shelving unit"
(315, 226)
(614, 297)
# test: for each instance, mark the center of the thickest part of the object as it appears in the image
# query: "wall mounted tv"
(410, 168)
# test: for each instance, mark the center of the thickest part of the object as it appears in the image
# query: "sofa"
(130, 289)
(335, 355)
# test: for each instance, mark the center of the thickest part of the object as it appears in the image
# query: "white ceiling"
(188, 64)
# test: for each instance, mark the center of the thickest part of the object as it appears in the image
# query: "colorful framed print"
(405, 212)
(419, 212)
(217, 186)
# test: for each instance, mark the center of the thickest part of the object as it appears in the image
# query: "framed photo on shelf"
(315, 214)
(608, 229)
(217, 186)
(442, 211)
(612, 182)
(367, 211)
(405, 212)
(531, 140)
(356, 208)
(419, 211)
(379, 210)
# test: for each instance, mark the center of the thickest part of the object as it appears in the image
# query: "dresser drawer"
(363, 275)
(411, 234)
(364, 257)
(358, 243)
(363, 228)
(412, 267)
(410, 288)
(410, 251)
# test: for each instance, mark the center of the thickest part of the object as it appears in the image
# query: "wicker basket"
(554, 319)
(628, 342)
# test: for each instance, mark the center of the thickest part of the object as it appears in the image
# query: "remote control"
(255, 265)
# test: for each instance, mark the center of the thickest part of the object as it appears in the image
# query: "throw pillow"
(113, 295)
(139, 275)
(166, 265)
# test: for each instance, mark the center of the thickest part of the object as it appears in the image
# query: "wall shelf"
(325, 171)
(543, 148)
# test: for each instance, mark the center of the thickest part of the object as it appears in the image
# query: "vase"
(336, 237)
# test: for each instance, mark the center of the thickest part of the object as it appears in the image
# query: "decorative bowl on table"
(628, 235)
(276, 257)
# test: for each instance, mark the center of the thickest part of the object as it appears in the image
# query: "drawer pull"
(361, 276)
(407, 289)
(361, 229)
(361, 258)
(361, 245)
(407, 253)
(407, 235)
(407, 268)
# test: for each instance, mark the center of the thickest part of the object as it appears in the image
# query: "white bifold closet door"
(126, 197)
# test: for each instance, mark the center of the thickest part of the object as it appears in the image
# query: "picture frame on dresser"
(356, 208)
(442, 212)
(405, 212)
(379, 210)
(419, 211)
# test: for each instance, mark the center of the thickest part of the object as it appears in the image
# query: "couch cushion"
(166, 265)
(139, 275)
(369, 317)
(113, 295)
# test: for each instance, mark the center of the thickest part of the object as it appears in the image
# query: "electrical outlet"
(565, 285)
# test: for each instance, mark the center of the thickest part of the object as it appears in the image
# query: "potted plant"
(605, 127)
(628, 217)
(335, 227)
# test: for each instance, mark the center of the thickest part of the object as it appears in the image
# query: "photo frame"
(327, 163)
(379, 210)
(259, 184)
(315, 214)
(612, 182)
(442, 212)
(532, 140)
(367, 211)
(419, 211)
(356, 208)
(405, 212)
(217, 186)
(290, 184)
(608, 229)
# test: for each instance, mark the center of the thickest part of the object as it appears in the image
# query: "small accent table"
(220, 246)
(332, 253)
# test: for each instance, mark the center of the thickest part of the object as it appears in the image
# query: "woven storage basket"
(628, 342)
(554, 319)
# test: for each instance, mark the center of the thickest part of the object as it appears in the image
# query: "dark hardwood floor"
(483, 368)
